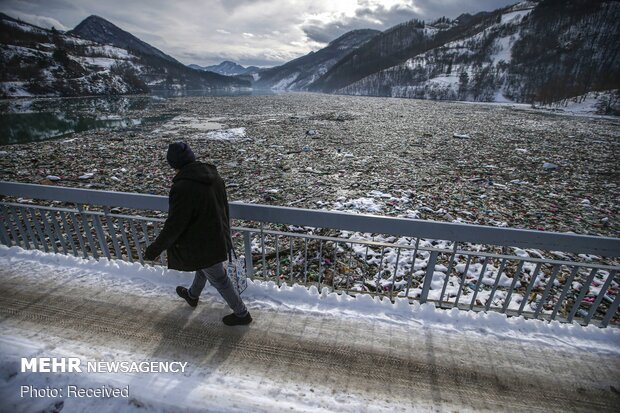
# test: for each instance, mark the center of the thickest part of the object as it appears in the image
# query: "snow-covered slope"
(592, 103)
(454, 70)
(41, 62)
(100, 30)
(299, 73)
(227, 68)
(530, 52)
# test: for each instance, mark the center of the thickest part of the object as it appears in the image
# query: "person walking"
(196, 234)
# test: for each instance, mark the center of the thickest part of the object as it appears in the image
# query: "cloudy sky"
(250, 32)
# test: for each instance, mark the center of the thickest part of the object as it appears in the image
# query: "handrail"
(478, 234)
(582, 290)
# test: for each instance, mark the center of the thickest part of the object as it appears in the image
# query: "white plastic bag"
(236, 271)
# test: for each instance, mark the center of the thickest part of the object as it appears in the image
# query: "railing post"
(19, 233)
(262, 247)
(89, 235)
(47, 229)
(611, 311)
(412, 269)
(495, 284)
(111, 229)
(582, 293)
(4, 236)
(247, 244)
(567, 286)
(541, 303)
(78, 234)
(101, 236)
(600, 296)
(428, 278)
(65, 225)
(28, 227)
(11, 236)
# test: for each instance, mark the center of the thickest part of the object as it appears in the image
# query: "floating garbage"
(549, 166)
(382, 145)
(53, 177)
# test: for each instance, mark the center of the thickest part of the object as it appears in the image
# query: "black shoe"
(233, 320)
(183, 293)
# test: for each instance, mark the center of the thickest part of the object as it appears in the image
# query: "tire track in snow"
(322, 353)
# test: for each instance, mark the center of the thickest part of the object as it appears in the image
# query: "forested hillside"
(42, 62)
(531, 52)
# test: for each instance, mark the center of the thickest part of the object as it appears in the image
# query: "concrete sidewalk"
(387, 366)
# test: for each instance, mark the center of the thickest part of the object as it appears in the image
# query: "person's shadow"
(196, 336)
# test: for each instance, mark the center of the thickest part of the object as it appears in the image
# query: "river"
(37, 119)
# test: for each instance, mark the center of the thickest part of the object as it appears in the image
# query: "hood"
(197, 171)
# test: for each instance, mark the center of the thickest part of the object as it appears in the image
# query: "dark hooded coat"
(196, 233)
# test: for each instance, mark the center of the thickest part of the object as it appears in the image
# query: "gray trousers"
(216, 274)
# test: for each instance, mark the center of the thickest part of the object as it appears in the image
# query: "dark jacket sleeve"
(179, 216)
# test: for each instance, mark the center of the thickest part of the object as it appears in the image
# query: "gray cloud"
(382, 18)
(453, 8)
(236, 4)
(41, 21)
(251, 32)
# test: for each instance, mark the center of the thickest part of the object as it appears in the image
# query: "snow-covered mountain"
(301, 72)
(37, 61)
(382, 51)
(530, 52)
(100, 30)
(227, 68)
(535, 51)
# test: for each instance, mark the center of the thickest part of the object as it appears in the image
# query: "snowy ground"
(592, 103)
(306, 350)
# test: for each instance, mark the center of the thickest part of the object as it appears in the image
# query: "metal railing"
(545, 275)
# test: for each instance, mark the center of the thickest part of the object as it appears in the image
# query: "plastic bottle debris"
(397, 149)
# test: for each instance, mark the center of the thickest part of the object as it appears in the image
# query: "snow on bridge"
(306, 351)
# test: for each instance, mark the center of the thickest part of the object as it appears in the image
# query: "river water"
(31, 120)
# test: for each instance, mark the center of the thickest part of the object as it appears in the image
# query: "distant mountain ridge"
(299, 73)
(96, 58)
(227, 68)
(535, 51)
